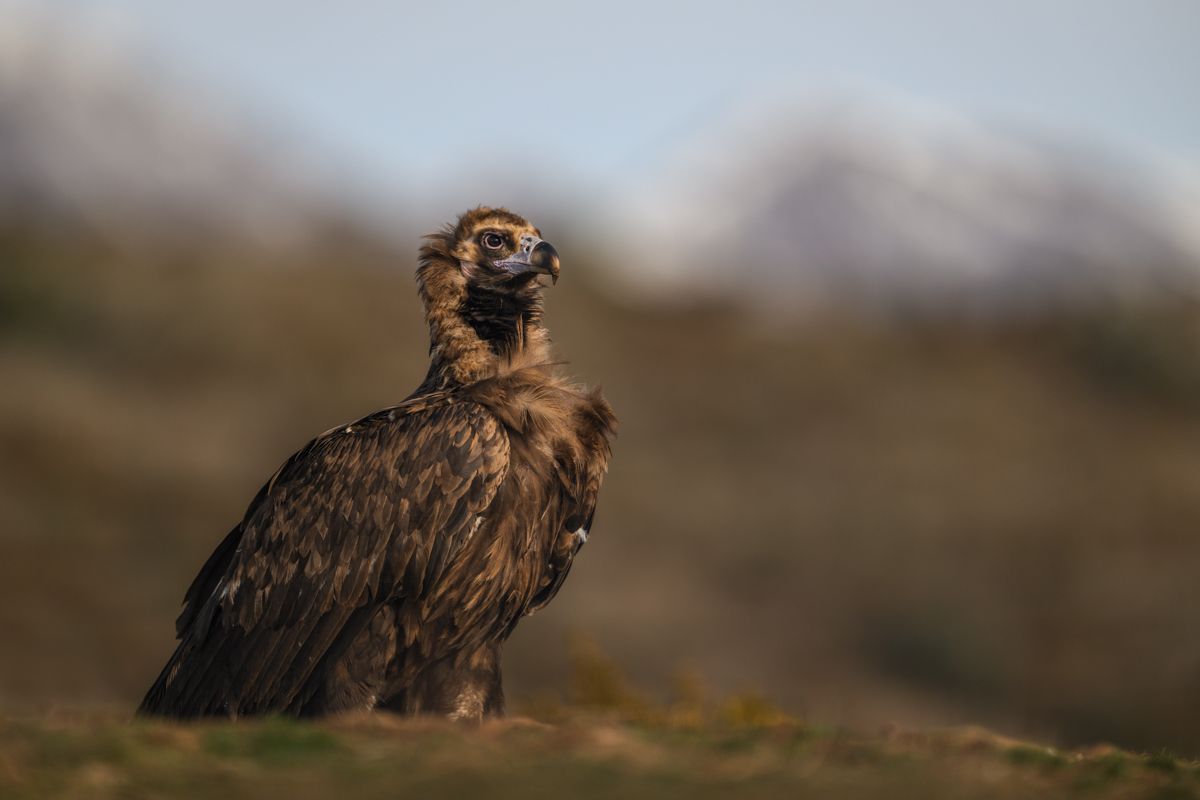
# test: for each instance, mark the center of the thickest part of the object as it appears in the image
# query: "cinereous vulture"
(386, 562)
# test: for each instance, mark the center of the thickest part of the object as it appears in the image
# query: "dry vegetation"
(931, 522)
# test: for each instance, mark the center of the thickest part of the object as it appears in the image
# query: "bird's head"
(497, 247)
(493, 250)
(483, 273)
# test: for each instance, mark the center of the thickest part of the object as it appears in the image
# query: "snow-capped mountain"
(887, 203)
(95, 132)
(788, 203)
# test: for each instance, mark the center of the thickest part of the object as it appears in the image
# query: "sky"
(605, 88)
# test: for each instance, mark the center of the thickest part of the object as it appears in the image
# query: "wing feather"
(363, 515)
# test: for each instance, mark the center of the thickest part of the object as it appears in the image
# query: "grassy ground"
(605, 740)
(583, 756)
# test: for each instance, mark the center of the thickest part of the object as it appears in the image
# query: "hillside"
(924, 522)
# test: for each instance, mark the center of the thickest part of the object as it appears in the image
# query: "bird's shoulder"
(424, 429)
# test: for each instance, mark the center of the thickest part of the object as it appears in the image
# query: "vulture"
(386, 562)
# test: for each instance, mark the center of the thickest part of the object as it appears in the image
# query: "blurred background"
(897, 305)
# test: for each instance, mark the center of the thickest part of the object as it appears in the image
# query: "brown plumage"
(387, 561)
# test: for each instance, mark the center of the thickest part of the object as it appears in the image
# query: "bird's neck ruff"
(476, 330)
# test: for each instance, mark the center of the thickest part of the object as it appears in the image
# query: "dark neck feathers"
(475, 329)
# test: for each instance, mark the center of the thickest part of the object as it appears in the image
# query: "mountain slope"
(895, 205)
(95, 132)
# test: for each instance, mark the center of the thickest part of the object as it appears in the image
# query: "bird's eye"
(492, 241)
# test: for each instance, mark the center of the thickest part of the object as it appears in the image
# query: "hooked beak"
(534, 255)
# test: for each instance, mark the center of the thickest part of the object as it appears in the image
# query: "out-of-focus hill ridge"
(845, 199)
(886, 203)
(100, 134)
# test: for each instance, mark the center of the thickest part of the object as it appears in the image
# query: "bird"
(385, 563)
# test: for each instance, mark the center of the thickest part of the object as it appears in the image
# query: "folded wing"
(367, 514)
